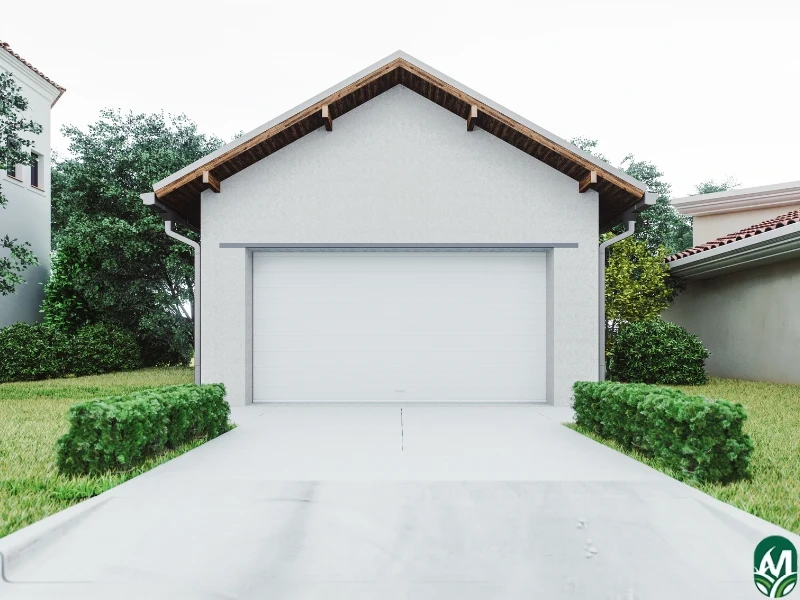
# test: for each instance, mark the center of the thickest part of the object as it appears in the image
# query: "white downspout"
(602, 287)
(196, 246)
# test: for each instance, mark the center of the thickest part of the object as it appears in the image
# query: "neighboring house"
(743, 288)
(27, 188)
(399, 238)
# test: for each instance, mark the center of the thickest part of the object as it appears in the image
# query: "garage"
(399, 326)
(398, 238)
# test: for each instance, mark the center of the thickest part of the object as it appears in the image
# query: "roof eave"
(778, 245)
(167, 213)
(767, 196)
(400, 55)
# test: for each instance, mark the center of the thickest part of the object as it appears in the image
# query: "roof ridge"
(789, 218)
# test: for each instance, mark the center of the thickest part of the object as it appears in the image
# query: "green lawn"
(773, 422)
(33, 415)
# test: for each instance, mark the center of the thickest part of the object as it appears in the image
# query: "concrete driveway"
(319, 502)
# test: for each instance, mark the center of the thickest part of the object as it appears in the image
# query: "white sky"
(703, 88)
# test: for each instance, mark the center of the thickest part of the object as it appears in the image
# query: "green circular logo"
(775, 566)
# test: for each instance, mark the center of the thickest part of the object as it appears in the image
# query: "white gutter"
(602, 300)
(196, 315)
(629, 217)
(773, 246)
(150, 200)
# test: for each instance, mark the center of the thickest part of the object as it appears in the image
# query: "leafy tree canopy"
(638, 285)
(15, 256)
(660, 226)
(711, 186)
(113, 263)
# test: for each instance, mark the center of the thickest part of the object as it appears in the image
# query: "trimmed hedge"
(102, 348)
(31, 352)
(40, 351)
(701, 438)
(118, 432)
(657, 352)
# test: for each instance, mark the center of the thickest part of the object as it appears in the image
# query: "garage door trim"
(454, 248)
(403, 246)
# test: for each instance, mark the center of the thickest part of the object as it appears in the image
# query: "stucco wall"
(749, 320)
(27, 215)
(398, 169)
(711, 227)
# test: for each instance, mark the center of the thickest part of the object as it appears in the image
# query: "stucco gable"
(405, 162)
(179, 194)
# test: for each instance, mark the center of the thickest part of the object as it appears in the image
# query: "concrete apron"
(459, 502)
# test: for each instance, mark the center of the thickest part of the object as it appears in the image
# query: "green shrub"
(118, 432)
(30, 352)
(103, 348)
(657, 352)
(701, 438)
(40, 351)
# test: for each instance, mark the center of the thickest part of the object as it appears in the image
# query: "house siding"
(399, 169)
(747, 320)
(27, 214)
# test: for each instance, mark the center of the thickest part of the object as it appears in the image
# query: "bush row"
(658, 352)
(701, 438)
(116, 433)
(39, 351)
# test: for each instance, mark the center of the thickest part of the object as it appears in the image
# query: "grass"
(773, 422)
(33, 415)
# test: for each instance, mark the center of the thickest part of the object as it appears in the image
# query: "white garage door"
(399, 326)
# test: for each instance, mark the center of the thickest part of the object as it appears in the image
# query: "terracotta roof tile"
(768, 225)
(7, 48)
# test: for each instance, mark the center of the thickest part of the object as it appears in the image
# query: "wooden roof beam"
(472, 118)
(326, 118)
(587, 181)
(211, 182)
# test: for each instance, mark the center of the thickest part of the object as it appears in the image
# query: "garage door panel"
(400, 376)
(364, 261)
(382, 279)
(463, 311)
(494, 392)
(439, 326)
(397, 326)
(402, 343)
(365, 295)
(422, 359)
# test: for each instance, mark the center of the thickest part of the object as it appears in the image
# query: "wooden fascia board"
(526, 131)
(424, 75)
(272, 131)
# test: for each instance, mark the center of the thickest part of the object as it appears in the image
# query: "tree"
(711, 186)
(113, 263)
(637, 285)
(15, 256)
(660, 226)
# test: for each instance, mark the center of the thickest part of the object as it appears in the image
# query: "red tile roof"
(768, 225)
(7, 48)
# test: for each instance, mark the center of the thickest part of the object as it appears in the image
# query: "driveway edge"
(16, 545)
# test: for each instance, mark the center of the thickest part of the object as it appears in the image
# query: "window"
(11, 171)
(34, 169)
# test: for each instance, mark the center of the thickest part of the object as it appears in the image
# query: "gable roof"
(5, 46)
(179, 194)
(789, 218)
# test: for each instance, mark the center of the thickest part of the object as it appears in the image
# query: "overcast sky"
(704, 89)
